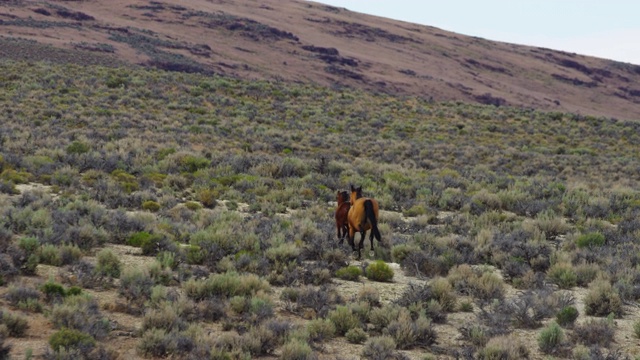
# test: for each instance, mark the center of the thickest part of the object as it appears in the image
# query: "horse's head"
(356, 193)
(342, 197)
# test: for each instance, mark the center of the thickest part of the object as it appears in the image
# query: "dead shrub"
(592, 332)
(602, 299)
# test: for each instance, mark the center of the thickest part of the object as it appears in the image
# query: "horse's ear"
(359, 189)
(353, 188)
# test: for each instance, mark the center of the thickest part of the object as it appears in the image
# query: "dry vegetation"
(152, 214)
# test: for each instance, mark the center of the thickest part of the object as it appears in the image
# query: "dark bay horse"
(363, 216)
(341, 215)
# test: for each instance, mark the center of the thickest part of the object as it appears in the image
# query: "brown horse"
(363, 216)
(341, 215)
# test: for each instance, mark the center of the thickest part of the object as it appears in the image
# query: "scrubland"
(151, 214)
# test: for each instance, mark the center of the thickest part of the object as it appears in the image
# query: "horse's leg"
(360, 245)
(363, 235)
(352, 235)
(371, 239)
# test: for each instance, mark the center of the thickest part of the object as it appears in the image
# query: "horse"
(341, 215)
(363, 216)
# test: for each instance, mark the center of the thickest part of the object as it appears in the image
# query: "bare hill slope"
(304, 41)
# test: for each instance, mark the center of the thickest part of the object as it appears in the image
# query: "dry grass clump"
(481, 284)
(602, 299)
(551, 338)
(408, 332)
(15, 325)
(225, 285)
(503, 347)
(81, 312)
(379, 348)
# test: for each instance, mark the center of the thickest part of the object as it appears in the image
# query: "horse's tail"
(371, 216)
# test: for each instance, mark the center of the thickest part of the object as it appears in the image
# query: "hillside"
(149, 214)
(307, 42)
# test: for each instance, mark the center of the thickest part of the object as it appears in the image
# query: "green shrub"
(191, 163)
(108, 264)
(282, 253)
(150, 205)
(81, 313)
(381, 317)
(195, 255)
(356, 336)
(263, 339)
(478, 335)
(563, 275)
(351, 273)
(408, 333)
(78, 147)
(155, 343)
(167, 259)
(8, 187)
(636, 329)
(503, 348)
(31, 305)
(16, 325)
(50, 255)
(401, 251)
(53, 291)
(344, 319)
(15, 177)
(379, 271)
(192, 205)
(296, 349)
(466, 306)
(208, 198)
(567, 316)
(139, 239)
(594, 239)
(379, 348)
(550, 338)
(69, 254)
(164, 152)
(444, 294)
(74, 290)
(320, 330)
(487, 286)
(226, 285)
(165, 317)
(126, 181)
(18, 294)
(586, 273)
(29, 244)
(135, 286)
(71, 338)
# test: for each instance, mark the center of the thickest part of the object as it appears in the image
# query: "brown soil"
(308, 42)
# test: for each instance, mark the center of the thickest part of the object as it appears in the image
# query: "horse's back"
(342, 211)
(357, 213)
